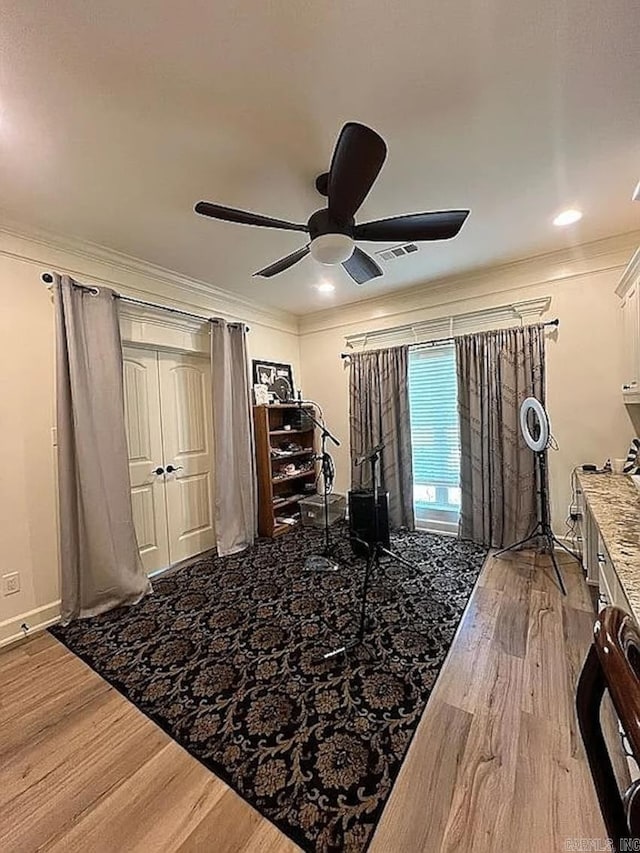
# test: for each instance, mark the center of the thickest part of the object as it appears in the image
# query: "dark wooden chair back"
(613, 664)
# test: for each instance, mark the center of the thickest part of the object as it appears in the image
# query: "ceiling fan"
(356, 163)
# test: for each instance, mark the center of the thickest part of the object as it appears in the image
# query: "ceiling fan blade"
(356, 163)
(284, 263)
(361, 267)
(244, 217)
(437, 225)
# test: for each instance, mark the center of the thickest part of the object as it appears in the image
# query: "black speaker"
(362, 520)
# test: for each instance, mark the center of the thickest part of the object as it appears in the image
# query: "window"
(435, 436)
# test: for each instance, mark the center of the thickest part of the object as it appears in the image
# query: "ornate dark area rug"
(226, 656)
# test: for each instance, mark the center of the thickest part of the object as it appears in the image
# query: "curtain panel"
(99, 559)
(379, 413)
(496, 372)
(234, 475)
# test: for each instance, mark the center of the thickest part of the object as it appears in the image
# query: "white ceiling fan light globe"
(331, 249)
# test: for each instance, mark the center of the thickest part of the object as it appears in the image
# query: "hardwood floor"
(496, 762)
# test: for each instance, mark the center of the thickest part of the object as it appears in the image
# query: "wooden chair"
(613, 664)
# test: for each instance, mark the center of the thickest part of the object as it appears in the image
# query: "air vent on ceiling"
(397, 252)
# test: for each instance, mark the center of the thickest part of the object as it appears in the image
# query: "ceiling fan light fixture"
(358, 157)
(331, 249)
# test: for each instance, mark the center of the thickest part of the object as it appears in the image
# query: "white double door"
(168, 420)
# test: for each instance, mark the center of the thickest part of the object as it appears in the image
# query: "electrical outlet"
(11, 583)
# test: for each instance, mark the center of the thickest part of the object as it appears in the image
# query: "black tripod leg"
(397, 557)
(372, 562)
(552, 554)
(568, 550)
(534, 533)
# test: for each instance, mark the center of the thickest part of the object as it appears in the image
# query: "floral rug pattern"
(226, 656)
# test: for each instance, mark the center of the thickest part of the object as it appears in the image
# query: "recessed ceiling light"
(568, 217)
(325, 287)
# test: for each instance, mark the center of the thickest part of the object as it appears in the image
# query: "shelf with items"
(287, 500)
(291, 454)
(280, 528)
(279, 493)
(285, 478)
(285, 406)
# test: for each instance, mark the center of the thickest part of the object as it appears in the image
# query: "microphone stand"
(373, 561)
(325, 561)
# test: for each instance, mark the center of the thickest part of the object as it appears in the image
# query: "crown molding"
(133, 276)
(610, 253)
(631, 273)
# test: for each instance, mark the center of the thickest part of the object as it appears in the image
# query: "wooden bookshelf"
(278, 495)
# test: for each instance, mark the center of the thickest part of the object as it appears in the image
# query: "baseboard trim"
(36, 620)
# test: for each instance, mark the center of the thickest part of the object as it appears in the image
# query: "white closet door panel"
(185, 394)
(144, 438)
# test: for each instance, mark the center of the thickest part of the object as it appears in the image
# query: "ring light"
(542, 537)
(531, 404)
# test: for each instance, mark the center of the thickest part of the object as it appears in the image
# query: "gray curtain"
(379, 413)
(496, 372)
(99, 559)
(234, 478)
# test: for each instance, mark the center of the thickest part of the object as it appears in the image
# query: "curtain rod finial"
(47, 278)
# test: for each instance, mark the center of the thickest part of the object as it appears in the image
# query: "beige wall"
(584, 399)
(28, 526)
(27, 493)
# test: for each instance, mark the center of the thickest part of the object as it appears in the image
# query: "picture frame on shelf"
(261, 394)
(272, 374)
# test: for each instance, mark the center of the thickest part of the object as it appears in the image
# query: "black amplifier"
(362, 520)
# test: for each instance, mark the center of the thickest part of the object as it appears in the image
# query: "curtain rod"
(47, 278)
(433, 343)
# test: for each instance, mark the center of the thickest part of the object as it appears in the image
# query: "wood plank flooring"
(496, 762)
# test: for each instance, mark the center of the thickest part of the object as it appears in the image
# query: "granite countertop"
(614, 502)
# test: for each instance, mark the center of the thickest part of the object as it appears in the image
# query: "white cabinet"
(590, 535)
(597, 562)
(629, 291)
(168, 419)
(611, 591)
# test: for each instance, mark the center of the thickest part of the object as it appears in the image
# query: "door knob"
(172, 468)
(158, 471)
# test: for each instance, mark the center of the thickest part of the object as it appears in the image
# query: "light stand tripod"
(543, 530)
(376, 551)
(323, 562)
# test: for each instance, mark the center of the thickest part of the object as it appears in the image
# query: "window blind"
(435, 432)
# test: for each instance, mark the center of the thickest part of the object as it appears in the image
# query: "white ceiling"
(115, 117)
